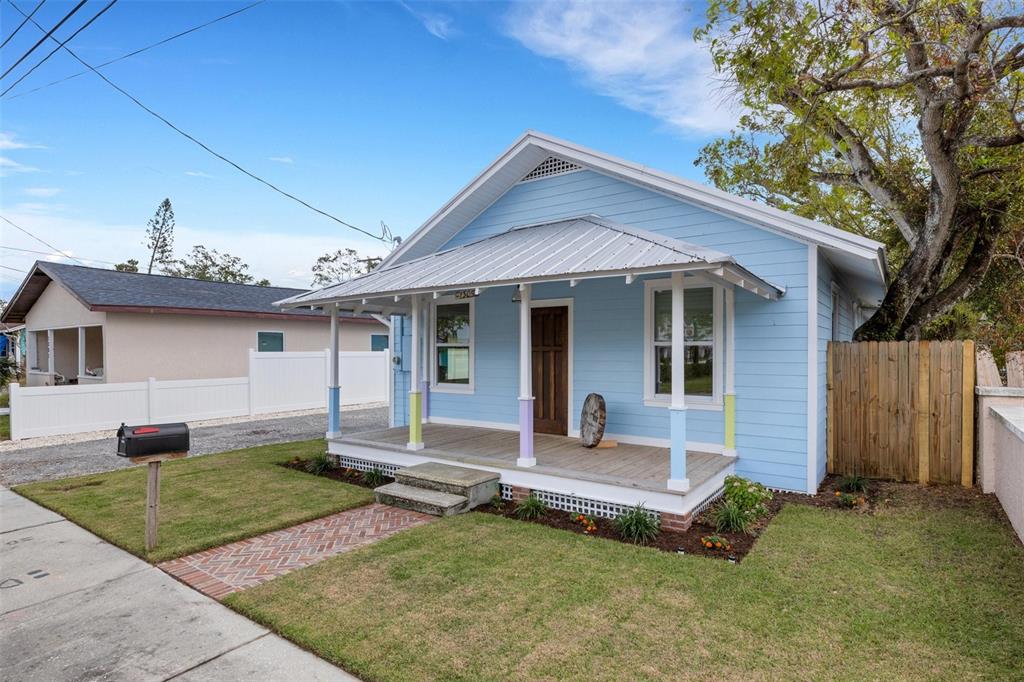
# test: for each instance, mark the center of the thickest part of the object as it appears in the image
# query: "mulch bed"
(691, 540)
(351, 476)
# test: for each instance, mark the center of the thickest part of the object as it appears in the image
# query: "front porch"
(625, 475)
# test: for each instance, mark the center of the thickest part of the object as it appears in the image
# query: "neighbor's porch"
(65, 355)
(626, 474)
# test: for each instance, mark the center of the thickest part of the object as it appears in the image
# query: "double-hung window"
(701, 306)
(453, 345)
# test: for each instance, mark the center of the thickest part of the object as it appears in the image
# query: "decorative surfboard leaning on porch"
(702, 319)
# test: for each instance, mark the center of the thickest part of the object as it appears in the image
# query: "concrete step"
(422, 500)
(476, 485)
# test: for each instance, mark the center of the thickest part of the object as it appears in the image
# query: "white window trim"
(436, 386)
(269, 331)
(695, 402)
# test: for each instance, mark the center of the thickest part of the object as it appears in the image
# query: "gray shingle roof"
(99, 287)
(96, 287)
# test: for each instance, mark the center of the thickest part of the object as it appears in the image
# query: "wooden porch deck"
(634, 466)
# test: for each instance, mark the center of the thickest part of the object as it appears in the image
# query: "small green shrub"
(750, 498)
(373, 478)
(531, 508)
(321, 463)
(850, 500)
(853, 483)
(498, 502)
(636, 525)
(730, 517)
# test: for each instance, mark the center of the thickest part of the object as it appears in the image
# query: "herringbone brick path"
(220, 571)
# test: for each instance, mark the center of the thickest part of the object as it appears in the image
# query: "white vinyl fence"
(277, 382)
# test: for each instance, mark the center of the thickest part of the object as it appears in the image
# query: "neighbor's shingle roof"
(103, 289)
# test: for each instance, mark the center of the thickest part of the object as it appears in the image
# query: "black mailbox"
(152, 439)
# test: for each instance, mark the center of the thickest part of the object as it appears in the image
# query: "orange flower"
(718, 544)
(707, 544)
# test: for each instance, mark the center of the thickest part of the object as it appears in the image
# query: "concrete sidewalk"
(74, 607)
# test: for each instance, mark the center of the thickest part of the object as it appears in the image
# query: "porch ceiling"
(576, 248)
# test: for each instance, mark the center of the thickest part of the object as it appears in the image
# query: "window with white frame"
(453, 344)
(702, 327)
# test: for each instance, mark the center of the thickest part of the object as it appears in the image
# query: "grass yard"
(915, 590)
(204, 501)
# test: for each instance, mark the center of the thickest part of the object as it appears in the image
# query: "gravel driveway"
(93, 456)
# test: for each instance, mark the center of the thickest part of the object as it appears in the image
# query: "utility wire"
(60, 45)
(381, 237)
(23, 22)
(38, 239)
(43, 39)
(8, 267)
(51, 253)
(140, 50)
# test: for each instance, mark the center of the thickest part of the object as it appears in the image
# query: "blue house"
(701, 318)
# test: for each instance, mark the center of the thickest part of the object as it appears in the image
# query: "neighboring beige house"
(90, 325)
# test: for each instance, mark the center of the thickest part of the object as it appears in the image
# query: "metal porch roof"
(576, 248)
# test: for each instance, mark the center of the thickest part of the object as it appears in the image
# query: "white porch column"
(81, 353)
(526, 456)
(730, 373)
(50, 365)
(677, 410)
(334, 381)
(415, 397)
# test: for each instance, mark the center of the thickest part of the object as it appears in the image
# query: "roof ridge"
(42, 263)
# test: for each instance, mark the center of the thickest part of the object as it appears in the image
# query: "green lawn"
(910, 592)
(204, 501)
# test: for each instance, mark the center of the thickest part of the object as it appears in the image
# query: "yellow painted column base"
(730, 425)
(415, 420)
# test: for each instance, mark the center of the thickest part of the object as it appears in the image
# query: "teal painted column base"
(333, 411)
(677, 479)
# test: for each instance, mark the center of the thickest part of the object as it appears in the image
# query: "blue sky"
(372, 111)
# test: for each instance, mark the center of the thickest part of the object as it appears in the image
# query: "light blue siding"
(608, 349)
(400, 372)
(825, 313)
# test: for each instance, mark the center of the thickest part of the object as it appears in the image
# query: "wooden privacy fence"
(902, 410)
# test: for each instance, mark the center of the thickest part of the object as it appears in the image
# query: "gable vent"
(551, 166)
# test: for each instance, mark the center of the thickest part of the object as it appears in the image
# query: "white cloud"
(9, 166)
(8, 141)
(42, 192)
(437, 24)
(641, 54)
(198, 174)
(283, 258)
(282, 159)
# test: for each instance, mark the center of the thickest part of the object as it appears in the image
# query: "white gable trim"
(541, 146)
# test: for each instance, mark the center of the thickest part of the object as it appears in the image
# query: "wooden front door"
(550, 337)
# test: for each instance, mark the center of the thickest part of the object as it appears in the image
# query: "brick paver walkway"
(220, 571)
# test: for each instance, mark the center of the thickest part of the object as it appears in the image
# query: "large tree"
(160, 236)
(340, 266)
(212, 265)
(901, 120)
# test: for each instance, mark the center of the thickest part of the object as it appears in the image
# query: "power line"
(51, 253)
(23, 22)
(60, 45)
(38, 239)
(8, 267)
(43, 39)
(140, 50)
(383, 237)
